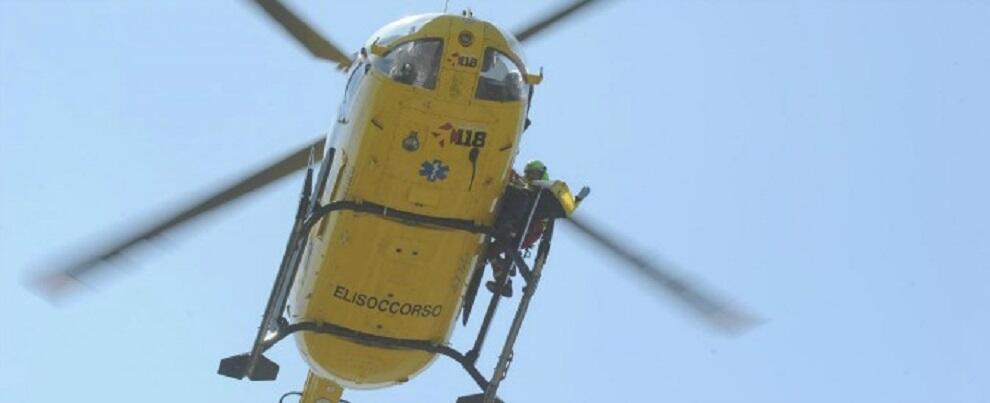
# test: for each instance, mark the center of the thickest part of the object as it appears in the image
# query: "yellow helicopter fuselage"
(438, 143)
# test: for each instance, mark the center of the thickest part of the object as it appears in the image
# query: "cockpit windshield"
(413, 63)
(501, 79)
(395, 30)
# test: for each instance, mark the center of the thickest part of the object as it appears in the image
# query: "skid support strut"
(500, 283)
(531, 278)
(505, 358)
(274, 327)
(254, 365)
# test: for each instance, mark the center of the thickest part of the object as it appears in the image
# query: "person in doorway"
(513, 216)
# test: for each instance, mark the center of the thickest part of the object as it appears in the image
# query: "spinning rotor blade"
(715, 311)
(552, 18)
(304, 33)
(57, 283)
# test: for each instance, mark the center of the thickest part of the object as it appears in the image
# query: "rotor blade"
(548, 20)
(717, 312)
(317, 45)
(58, 282)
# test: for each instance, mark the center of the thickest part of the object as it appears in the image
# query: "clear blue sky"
(823, 162)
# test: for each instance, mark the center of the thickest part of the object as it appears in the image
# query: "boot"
(506, 291)
(500, 269)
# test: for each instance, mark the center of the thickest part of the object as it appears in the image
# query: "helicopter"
(400, 206)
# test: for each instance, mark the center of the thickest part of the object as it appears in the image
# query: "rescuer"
(513, 216)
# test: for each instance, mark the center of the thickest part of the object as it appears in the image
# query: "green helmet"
(536, 165)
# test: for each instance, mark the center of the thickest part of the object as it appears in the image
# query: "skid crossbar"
(467, 361)
(275, 327)
(255, 366)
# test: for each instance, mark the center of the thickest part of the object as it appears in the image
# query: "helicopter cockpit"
(412, 49)
(414, 63)
(501, 79)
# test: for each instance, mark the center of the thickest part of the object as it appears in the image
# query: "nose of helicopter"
(462, 58)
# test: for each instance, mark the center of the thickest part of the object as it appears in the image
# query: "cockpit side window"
(357, 74)
(413, 63)
(501, 79)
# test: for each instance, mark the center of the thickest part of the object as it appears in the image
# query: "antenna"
(445, 3)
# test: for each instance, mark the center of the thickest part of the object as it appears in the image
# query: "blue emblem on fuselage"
(434, 170)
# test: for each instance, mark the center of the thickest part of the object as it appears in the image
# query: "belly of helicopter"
(384, 277)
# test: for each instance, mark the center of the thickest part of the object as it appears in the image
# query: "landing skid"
(467, 360)
(274, 327)
(254, 365)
